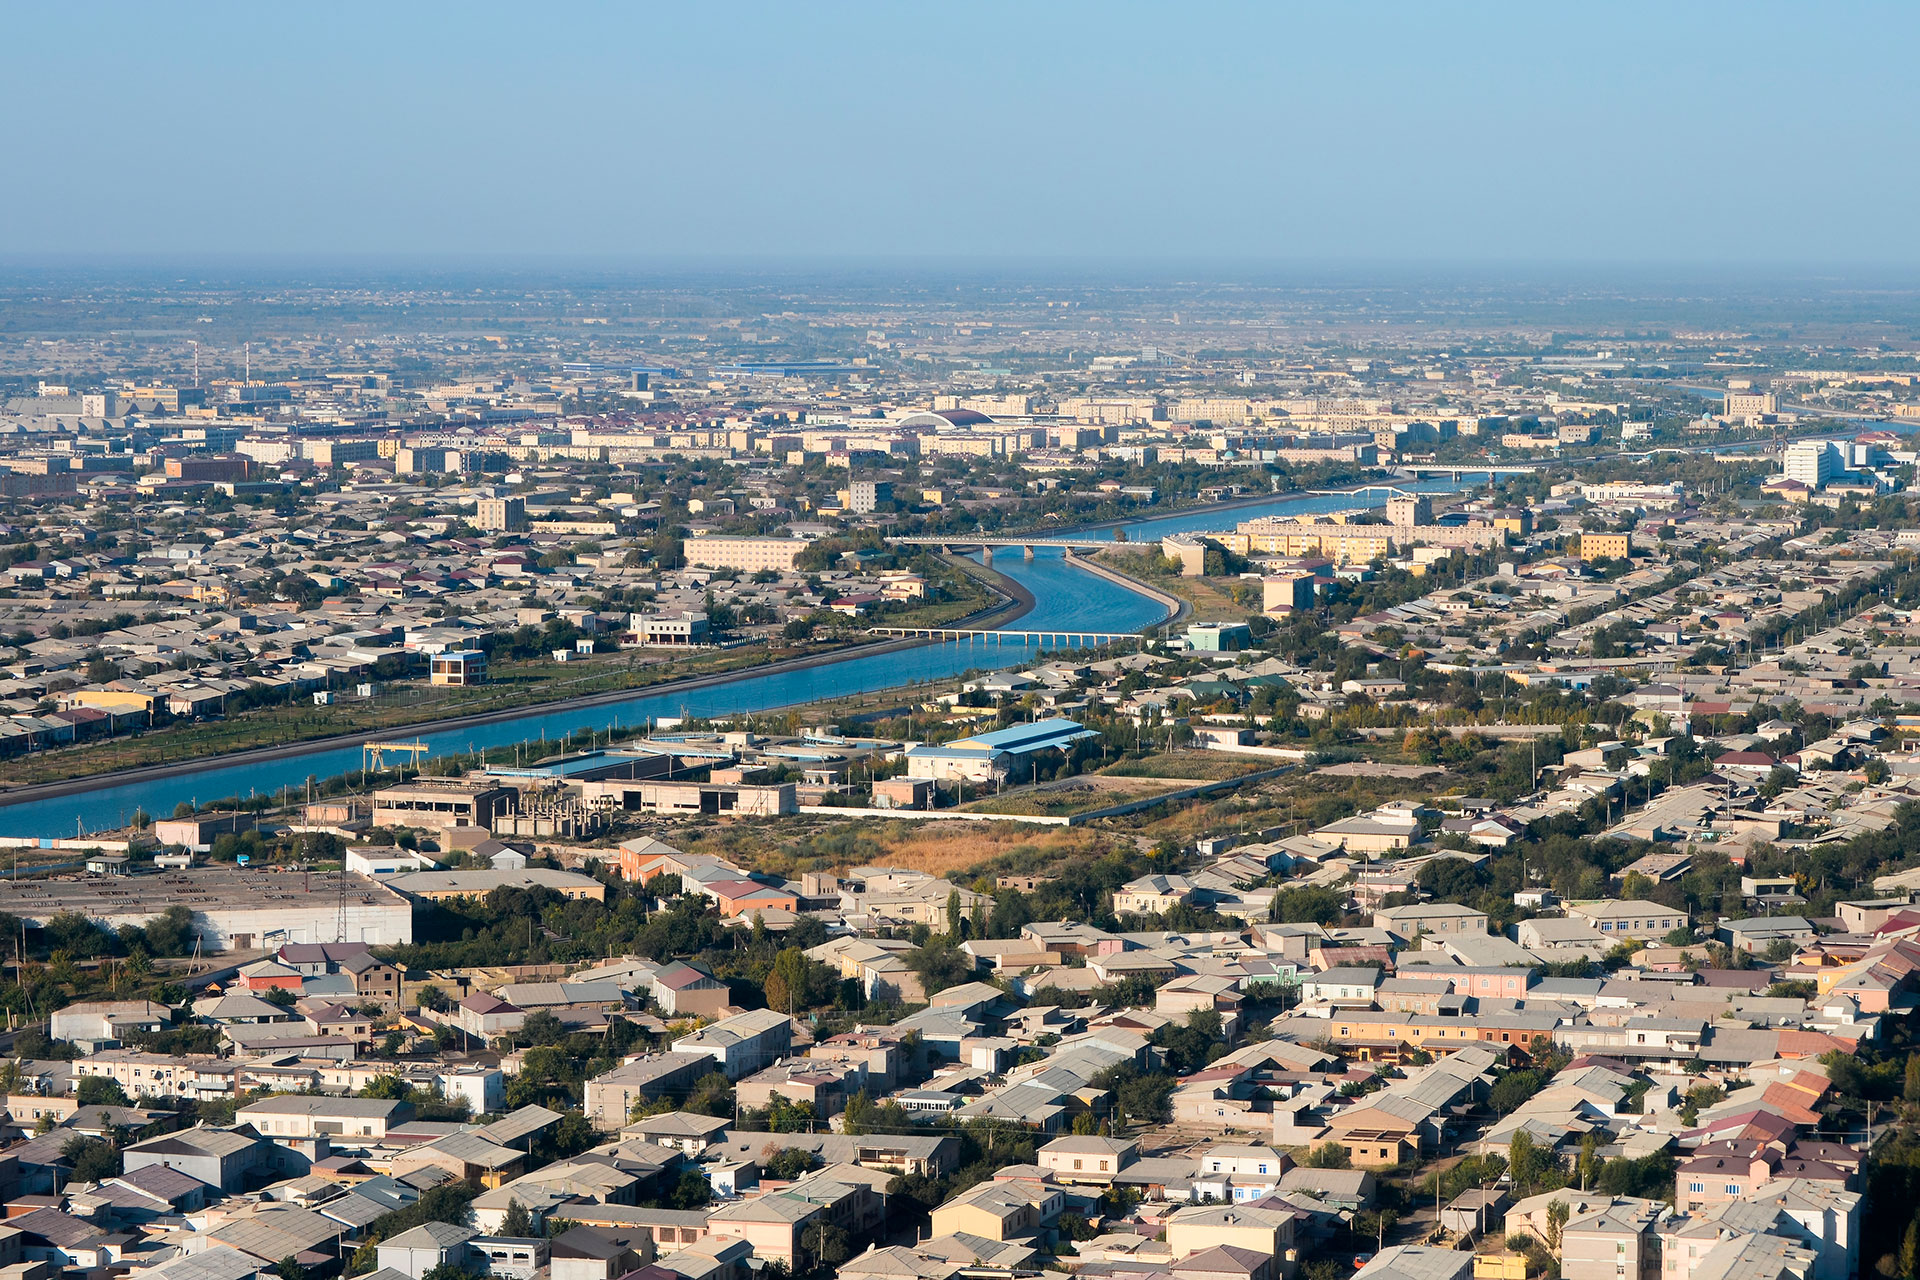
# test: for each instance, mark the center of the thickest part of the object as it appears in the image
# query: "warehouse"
(234, 908)
(738, 800)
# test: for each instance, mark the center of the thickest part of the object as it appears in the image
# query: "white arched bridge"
(1054, 637)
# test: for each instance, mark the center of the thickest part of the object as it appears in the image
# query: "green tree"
(953, 915)
(828, 1244)
(389, 1086)
(1527, 1163)
(692, 1191)
(518, 1223)
(795, 983)
(289, 1268)
(543, 1028)
(939, 964)
(1307, 904)
(92, 1159)
(789, 1163)
(1512, 1090)
(1328, 1155)
(1556, 1219)
(101, 1091)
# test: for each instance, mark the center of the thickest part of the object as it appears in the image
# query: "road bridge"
(1052, 637)
(1026, 545)
(1456, 471)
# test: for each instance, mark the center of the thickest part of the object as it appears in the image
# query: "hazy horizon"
(1637, 136)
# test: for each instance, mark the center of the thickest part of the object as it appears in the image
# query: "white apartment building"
(749, 555)
(1811, 462)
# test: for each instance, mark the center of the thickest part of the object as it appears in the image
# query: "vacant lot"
(1191, 766)
(1079, 795)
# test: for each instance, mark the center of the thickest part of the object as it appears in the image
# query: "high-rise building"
(1410, 508)
(865, 496)
(1811, 462)
(501, 515)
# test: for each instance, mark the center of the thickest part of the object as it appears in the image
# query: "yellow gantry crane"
(373, 755)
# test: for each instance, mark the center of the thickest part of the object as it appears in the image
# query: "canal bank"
(1047, 592)
(1015, 603)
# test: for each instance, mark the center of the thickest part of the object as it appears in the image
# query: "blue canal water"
(1064, 598)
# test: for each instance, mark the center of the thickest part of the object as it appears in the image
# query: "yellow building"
(1603, 546)
(1517, 521)
(111, 700)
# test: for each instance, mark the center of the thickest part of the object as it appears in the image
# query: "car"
(1361, 1259)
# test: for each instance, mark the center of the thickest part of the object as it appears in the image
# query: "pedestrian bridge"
(1053, 638)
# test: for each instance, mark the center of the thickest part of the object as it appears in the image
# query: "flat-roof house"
(742, 1044)
(1635, 919)
(1430, 918)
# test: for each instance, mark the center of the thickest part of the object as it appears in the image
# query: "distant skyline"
(1344, 135)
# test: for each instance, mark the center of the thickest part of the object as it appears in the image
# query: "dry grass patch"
(940, 848)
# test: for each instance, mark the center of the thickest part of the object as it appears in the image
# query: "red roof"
(1749, 759)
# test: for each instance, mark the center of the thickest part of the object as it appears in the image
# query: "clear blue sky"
(1332, 132)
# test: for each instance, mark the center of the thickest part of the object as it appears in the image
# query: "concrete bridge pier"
(1027, 552)
(986, 554)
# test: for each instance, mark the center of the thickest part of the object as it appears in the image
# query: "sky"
(1747, 134)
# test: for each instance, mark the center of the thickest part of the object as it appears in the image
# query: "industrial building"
(441, 802)
(445, 886)
(233, 908)
(994, 757)
(738, 800)
(459, 668)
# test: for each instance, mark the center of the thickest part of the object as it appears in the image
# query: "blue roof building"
(992, 757)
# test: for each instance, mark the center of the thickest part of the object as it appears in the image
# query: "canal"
(1065, 598)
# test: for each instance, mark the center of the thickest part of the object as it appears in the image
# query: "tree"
(1526, 1161)
(788, 1163)
(1308, 904)
(795, 982)
(102, 1091)
(289, 1268)
(858, 1115)
(1556, 1219)
(692, 1191)
(170, 933)
(432, 997)
(829, 1245)
(1328, 1155)
(543, 1028)
(518, 1223)
(92, 1159)
(712, 1095)
(1911, 1088)
(939, 965)
(953, 915)
(1513, 1089)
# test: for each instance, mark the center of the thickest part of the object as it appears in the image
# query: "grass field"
(1211, 598)
(1198, 766)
